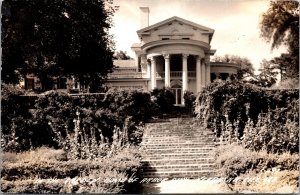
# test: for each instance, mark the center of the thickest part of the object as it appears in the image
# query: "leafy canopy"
(246, 67)
(53, 38)
(280, 26)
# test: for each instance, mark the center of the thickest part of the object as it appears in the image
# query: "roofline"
(210, 31)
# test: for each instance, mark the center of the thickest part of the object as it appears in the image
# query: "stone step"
(187, 150)
(182, 141)
(175, 157)
(175, 154)
(178, 166)
(179, 144)
(180, 136)
(155, 162)
(179, 174)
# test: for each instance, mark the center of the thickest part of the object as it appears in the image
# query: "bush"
(15, 119)
(228, 107)
(189, 101)
(164, 98)
(46, 170)
(134, 103)
(51, 121)
(233, 160)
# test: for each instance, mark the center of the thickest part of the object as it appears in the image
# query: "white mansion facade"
(173, 53)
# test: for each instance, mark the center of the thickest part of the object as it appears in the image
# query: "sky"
(236, 24)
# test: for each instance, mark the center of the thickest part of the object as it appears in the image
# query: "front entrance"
(176, 87)
(178, 94)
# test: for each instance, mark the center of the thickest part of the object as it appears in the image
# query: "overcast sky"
(236, 24)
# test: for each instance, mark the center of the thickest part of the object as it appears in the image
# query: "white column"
(153, 73)
(207, 62)
(203, 73)
(184, 75)
(137, 62)
(148, 69)
(167, 70)
(198, 75)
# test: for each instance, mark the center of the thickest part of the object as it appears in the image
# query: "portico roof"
(205, 30)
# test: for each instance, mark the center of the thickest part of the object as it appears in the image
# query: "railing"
(173, 74)
(123, 75)
(176, 74)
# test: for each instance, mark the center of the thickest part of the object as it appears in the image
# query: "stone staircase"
(177, 148)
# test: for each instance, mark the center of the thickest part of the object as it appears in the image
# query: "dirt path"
(185, 186)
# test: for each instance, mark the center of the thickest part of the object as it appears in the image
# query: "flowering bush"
(227, 108)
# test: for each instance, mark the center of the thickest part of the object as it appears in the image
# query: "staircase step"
(177, 147)
(180, 174)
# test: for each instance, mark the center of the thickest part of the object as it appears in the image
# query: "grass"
(46, 170)
(259, 172)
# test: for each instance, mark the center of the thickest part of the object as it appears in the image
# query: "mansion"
(173, 53)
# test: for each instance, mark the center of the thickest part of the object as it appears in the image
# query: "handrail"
(176, 74)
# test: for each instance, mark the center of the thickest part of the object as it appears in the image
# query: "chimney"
(144, 17)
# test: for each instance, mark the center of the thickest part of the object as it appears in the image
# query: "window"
(29, 83)
(185, 38)
(61, 83)
(165, 39)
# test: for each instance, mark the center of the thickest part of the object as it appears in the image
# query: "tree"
(280, 26)
(56, 38)
(246, 68)
(267, 76)
(121, 55)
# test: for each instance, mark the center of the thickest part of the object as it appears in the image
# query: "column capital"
(152, 58)
(184, 55)
(166, 55)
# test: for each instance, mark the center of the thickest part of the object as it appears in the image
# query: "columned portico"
(198, 75)
(207, 63)
(203, 73)
(153, 73)
(167, 70)
(184, 75)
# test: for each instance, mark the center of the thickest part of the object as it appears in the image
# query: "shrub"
(289, 83)
(233, 160)
(44, 171)
(164, 98)
(134, 103)
(189, 101)
(228, 107)
(51, 122)
(15, 119)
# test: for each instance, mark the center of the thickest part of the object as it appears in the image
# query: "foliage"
(101, 121)
(121, 55)
(275, 181)
(134, 103)
(234, 160)
(286, 65)
(276, 132)
(54, 38)
(189, 101)
(164, 98)
(267, 76)
(280, 25)
(288, 84)
(46, 170)
(15, 118)
(227, 108)
(246, 67)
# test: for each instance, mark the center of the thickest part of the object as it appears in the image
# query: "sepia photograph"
(149, 97)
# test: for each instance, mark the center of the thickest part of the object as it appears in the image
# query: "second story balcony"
(177, 74)
(136, 75)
